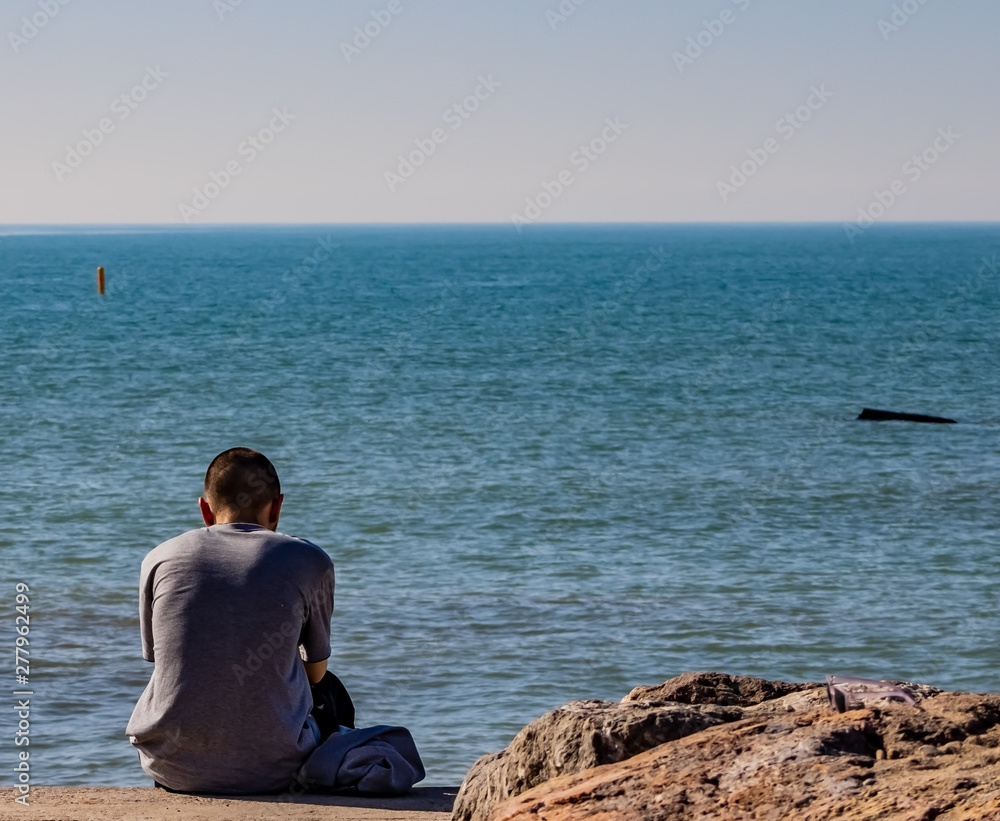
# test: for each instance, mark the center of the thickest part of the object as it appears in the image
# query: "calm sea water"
(547, 466)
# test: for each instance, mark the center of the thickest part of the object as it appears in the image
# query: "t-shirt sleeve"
(314, 640)
(146, 610)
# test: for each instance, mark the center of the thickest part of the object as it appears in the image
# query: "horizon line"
(504, 223)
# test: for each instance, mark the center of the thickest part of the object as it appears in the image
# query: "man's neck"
(243, 522)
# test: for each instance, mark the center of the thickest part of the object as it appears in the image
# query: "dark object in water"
(871, 415)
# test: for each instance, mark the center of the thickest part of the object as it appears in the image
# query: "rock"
(889, 761)
(580, 735)
(801, 702)
(586, 734)
(717, 688)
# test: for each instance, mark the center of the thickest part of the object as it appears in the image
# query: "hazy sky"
(616, 111)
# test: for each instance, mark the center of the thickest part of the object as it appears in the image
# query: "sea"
(548, 464)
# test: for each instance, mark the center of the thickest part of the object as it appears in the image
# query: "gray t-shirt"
(228, 613)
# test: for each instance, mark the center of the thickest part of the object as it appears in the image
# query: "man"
(236, 617)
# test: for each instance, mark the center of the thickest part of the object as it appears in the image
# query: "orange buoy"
(100, 281)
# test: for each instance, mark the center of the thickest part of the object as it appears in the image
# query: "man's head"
(241, 485)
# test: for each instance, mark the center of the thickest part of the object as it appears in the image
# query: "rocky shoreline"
(712, 746)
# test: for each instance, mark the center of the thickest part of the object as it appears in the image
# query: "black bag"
(332, 705)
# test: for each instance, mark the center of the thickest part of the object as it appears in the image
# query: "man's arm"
(314, 638)
(146, 611)
(315, 670)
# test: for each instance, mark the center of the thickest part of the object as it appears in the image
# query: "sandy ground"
(150, 804)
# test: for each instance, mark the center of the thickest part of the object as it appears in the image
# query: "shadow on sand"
(419, 799)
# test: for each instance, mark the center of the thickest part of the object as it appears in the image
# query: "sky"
(439, 111)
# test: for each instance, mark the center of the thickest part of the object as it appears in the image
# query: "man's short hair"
(240, 481)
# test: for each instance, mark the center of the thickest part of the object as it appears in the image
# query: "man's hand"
(315, 670)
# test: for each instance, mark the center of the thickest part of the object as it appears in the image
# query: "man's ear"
(206, 511)
(274, 511)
